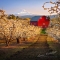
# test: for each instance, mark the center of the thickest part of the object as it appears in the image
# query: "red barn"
(34, 20)
(42, 21)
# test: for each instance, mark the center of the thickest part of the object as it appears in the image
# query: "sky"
(24, 7)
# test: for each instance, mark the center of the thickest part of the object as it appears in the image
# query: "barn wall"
(43, 23)
(34, 23)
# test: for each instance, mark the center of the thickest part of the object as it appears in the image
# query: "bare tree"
(54, 9)
(54, 29)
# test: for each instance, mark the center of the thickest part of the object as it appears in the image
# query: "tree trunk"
(24, 39)
(18, 41)
(7, 43)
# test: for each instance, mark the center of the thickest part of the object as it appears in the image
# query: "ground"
(31, 51)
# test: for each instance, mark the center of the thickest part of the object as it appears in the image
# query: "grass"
(8, 52)
(31, 53)
(55, 46)
(31, 50)
(43, 31)
(13, 48)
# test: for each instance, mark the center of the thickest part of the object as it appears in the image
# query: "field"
(34, 50)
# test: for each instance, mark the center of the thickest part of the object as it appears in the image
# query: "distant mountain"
(27, 16)
(53, 16)
(30, 16)
(35, 18)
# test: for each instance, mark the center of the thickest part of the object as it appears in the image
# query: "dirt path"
(31, 53)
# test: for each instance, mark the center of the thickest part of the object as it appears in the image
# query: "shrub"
(43, 31)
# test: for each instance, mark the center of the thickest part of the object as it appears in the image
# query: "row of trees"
(17, 17)
(11, 29)
(54, 28)
(13, 17)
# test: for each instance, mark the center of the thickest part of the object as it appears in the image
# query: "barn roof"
(35, 18)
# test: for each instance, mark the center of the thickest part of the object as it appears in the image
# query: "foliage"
(43, 31)
(17, 17)
(11, 29)
(12, 17)
(55, 20)
(27, 19)
(48, 17)
(54, 28)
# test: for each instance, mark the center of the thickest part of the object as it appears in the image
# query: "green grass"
(43, 31)
(55, 47)
(7, 52)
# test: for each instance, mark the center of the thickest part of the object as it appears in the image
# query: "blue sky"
(23, 7)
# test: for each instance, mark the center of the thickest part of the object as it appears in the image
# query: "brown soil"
(30, 53)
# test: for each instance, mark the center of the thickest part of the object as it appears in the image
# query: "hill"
(30, 16)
